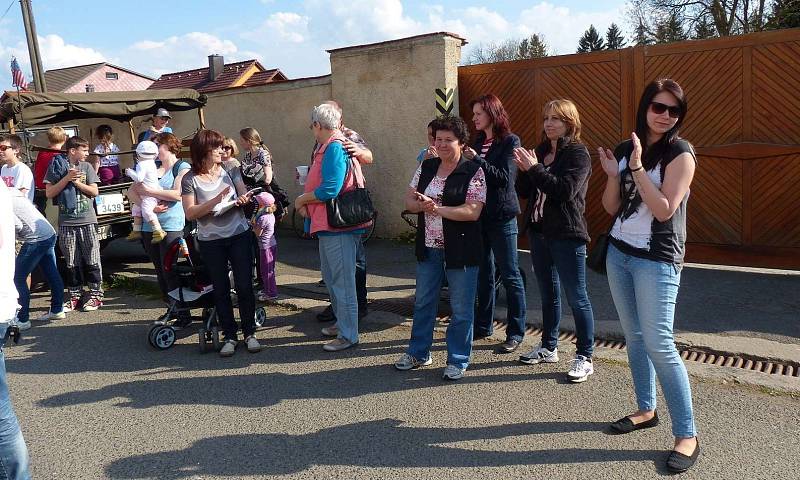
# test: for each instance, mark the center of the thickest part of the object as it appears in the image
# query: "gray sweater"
(29, 224)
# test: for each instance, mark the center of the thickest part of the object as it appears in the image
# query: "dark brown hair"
(490, 104)
(75, 142)
(13, 139)
(202, 143)
(652, 154)
(454, 125)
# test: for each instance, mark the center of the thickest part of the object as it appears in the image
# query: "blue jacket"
(69, 196)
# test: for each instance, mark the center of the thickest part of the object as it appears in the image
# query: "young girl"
(264, 228)
(256, 161)
(146, 173)
(105, 160)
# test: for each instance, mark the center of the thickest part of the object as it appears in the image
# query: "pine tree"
(591, 41)
(704, 29)
(670, 30)
(533, 47)
(641, 36)
(785, 14)
(614, 38)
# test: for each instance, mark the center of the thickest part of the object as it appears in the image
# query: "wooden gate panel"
(776, 201)
(715, 202)
(776, 93)
(712, 80)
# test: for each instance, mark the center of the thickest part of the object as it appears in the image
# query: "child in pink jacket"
(264, 228)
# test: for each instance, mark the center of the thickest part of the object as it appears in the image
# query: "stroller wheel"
(215, 339)
(163, 337)
(151, 334)
(261, 317)
(201, 334)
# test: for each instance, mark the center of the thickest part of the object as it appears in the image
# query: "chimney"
(215, 66)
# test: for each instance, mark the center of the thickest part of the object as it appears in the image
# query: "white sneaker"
(539, 355)
(228, 349)
(580, 369)
(23, 325)
(51, 316)
(253, 346)
(451, 372)
(407, 362)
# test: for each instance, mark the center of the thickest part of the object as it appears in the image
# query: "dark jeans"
(500, 248)
(558, 262)
(38, 254)
(156, 251)
(239, 252)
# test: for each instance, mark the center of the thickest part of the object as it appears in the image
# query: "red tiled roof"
(267, 76)
(198, 78)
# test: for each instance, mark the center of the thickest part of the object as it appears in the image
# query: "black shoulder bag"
(351, 208)
(596, 260)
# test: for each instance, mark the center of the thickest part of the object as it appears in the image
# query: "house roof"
(246, 73)
(60, 79)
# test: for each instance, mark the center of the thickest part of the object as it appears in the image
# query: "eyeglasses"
(3, 148)
(227, 147)
(658, 108)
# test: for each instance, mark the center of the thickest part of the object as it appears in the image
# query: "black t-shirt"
(636, 231)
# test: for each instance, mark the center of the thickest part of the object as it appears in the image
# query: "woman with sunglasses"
(647, 190)
(230, 154)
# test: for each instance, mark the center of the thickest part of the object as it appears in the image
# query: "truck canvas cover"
(54, 108)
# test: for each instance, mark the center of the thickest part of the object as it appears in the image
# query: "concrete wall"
(387, 91)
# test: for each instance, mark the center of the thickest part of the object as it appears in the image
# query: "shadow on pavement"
(383, 443)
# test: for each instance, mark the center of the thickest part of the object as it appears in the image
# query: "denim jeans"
(38, 254)
(558, 262)
(500, 248)
(337, 258)
(361, 275)
(463, 283)
(13, 452)
(238, 250)
(644, 292)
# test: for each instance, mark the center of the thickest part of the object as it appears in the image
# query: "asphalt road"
(95, 401)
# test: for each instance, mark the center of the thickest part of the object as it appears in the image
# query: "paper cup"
(300, 174)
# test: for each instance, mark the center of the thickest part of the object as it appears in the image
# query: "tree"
(641, 34)
(511, 49)
(704, 29)
(591, 41)
(670, 30)
(614, 38)
(785, 14)
(729, 17)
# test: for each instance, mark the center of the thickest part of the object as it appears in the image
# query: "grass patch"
(134, 285)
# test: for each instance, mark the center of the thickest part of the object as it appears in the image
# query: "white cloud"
(562, 27)
(178, 52)
(287, 26)
(56, 53)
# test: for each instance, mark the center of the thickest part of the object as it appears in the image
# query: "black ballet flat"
(679, 463)
(625, 425)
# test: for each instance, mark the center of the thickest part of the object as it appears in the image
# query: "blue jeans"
(361, 275)
(558, 262)
(644, 292)
(13, 452)
(463, 283)
(38, 254)
(238, 250)
(500, 247)
(337, 258)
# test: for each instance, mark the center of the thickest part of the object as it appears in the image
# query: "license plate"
(109, 203)
(103, 232)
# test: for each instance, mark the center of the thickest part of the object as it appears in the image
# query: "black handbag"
(596, 260)
(350, 208)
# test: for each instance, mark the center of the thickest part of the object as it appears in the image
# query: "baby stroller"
(195, 292)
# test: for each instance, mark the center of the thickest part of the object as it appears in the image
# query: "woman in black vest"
(556, 226)
(647, 191)
(448, 193)
(495, 146)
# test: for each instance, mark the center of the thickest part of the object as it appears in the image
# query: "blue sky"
(159, 37)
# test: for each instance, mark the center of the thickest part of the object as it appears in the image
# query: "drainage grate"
(405, 308)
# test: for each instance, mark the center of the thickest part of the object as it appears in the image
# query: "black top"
(563, 184)
(462, 240)
(501, 173)
(636, 231)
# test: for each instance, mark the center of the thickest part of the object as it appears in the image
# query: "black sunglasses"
(227, 147)
(658, 108)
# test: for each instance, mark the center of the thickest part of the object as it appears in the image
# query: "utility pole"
(33, 46)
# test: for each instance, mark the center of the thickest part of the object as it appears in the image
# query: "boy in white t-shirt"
(15, 174)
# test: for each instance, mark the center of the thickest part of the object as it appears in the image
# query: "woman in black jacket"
(494, 148)
(556, 226)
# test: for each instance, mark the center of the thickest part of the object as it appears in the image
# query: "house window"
(112, 76)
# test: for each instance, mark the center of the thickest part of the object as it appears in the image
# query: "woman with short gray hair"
(333, 172)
